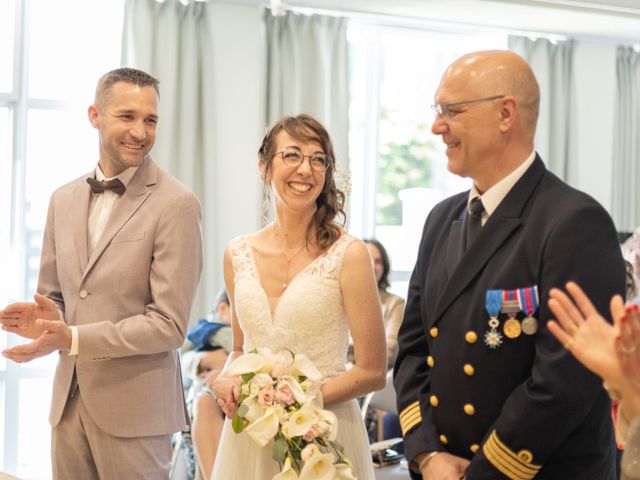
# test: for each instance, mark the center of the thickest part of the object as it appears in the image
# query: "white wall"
(595, 84)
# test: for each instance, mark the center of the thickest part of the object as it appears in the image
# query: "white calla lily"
(319, 467)
(247, 363)
(303, 366)
(297, 390)
(344, 472)
(256, 410)
(330, 417)
(287, 473)
(264, 429)
(301, 421)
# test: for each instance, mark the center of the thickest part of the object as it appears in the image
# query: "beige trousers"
(81, 450)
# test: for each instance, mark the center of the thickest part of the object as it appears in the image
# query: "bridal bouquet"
(279, 401)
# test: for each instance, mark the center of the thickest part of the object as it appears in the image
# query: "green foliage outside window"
(403, 165)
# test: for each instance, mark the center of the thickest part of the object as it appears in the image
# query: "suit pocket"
(129, 237)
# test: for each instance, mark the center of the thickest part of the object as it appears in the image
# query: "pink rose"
(284, 394)
(265, 397)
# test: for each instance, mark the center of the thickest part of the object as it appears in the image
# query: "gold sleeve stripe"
(409, 424)
(410, 417)
(516, 466)
(410, 409)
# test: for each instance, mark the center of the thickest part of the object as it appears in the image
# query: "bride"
(303, 284)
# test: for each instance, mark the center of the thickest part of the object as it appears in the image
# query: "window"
(50, 62)
(398, 166)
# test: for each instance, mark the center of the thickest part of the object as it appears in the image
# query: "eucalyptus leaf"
(242, 411)
(279, 450)
(238, 423)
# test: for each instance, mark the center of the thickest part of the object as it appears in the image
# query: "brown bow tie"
(99, 186)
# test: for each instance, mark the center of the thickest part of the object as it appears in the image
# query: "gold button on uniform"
(474, 448)
(433, 332)
(433, 400)
(468, 369)
(443, 439)
(469, 409)
(430, 361)
(471, 337)
(83, 294)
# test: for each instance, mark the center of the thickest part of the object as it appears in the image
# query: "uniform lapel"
(456, 243)
(137, 192)
(504, 221)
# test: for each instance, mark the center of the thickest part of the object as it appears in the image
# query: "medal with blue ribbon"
(493, 304)
(511, 306)
(528, 299)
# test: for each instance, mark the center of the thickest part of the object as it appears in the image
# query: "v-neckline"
(272, 313)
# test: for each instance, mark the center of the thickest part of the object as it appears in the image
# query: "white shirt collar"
(125, 176)
(492, 197)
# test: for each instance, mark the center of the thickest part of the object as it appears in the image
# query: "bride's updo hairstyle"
(330, 202)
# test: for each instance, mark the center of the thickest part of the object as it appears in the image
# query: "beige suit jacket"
(130, 300)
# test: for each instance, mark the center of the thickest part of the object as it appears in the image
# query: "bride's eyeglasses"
(294, 158)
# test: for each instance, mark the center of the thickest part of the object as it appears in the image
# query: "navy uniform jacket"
(526, 408)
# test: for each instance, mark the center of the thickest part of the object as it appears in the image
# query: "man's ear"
(92, 112)
(508, 112)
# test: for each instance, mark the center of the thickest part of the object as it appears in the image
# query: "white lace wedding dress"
(309, 318)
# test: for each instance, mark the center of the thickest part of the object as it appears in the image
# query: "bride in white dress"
(303, 284)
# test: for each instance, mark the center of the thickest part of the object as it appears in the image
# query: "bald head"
(499, 72)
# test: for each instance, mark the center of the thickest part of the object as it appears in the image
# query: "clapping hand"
(611, 351)
(20, 318)
(38, 321)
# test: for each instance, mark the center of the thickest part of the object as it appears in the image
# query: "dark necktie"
(475, 220)
(99, 186)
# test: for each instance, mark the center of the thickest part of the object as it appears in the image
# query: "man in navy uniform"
(484, 390)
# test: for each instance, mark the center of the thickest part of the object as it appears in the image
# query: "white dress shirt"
(100, 207)
(494, 196)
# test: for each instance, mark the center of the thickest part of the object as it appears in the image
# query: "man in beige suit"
(119, 269)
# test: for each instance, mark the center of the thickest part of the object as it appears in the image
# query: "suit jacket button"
(433, 332)
(433, 400)
(471, 337)
(430, 361)
(469, 409)
(469, 370)
(444, 439)
(83, 294)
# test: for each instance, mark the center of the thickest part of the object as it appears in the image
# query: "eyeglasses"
(294, 158)
(444, 109)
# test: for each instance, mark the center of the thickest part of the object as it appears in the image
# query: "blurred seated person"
(203, 358)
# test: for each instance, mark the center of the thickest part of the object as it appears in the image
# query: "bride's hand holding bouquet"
(226, 391)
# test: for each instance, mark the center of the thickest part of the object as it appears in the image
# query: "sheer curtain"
(555, 139)
(171, 41)
(626, 144)
(307, 72)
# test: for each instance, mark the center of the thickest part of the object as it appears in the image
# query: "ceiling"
(610, 20)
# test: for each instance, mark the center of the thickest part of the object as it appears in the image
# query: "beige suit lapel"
(79, 222)
(137, 192)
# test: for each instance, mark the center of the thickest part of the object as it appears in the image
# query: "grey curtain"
(171, 41)
(555, 139)
(307, 72)
(626, 144)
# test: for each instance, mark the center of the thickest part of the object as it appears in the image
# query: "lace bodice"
(309, 317)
